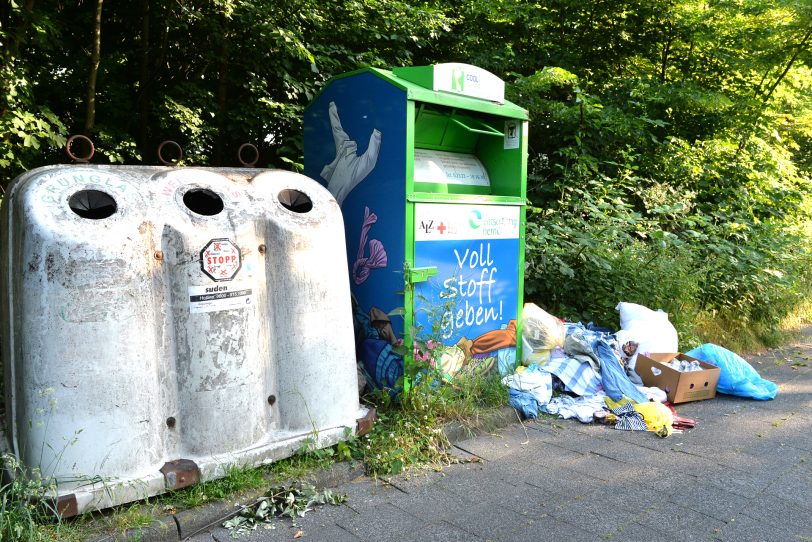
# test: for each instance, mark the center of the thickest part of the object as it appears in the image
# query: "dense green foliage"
(670, 157)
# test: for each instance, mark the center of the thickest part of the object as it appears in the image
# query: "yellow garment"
(614, 405)
(658, 417)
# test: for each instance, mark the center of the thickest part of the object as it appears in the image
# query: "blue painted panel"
(474, 292)
(473, 298)
(355, 144)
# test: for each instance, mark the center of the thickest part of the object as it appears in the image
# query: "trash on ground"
(651, 330)
(737, 377)
(629, 379)
(541, 332)
(658, 369)
(529, 388)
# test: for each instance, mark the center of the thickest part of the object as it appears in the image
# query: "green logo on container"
(458, 79)
(476, 218)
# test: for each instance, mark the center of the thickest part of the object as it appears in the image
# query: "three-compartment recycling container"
(429, 164)
(162, 324)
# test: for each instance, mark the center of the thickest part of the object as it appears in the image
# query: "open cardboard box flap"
(680, 387)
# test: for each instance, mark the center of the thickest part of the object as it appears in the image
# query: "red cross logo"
(442, 228)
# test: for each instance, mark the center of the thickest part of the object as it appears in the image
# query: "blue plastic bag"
(736, 376)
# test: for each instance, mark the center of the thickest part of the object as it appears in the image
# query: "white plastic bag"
(542, 331)
(651, 329)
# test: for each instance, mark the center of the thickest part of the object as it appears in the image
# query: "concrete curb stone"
(186, 523)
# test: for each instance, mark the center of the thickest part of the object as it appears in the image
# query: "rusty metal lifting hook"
(83, 159)
(160, 153)
(256, 155)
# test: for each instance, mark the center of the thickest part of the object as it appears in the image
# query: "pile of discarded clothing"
(586, 372)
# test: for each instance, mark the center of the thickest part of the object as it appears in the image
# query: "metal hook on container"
(256, 155)
(160, 153)
(83, 159)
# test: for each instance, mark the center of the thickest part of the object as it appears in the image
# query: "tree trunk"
(15, 30)
(665, 52)
(801, 47)
(90, 115)
(144, 82)
(222, 100)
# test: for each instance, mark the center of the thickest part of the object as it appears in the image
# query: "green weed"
(409, 433)
(26, 512)
(307, 460)
(236, 479)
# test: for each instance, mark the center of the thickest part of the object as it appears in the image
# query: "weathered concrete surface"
(156, 318)
(744, 473)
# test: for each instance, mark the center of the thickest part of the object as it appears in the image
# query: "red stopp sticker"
(220, 259)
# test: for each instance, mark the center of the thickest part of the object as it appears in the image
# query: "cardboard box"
(680, 387)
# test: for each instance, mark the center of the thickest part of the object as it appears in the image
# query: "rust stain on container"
(365, 424)
(67, 506)
(180, 473)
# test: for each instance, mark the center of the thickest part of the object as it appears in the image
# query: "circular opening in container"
(203, 202)
(92, 204)
(295, 201)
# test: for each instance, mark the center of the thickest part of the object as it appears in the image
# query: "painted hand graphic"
(348, 169)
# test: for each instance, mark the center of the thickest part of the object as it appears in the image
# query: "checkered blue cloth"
(578, 377)
(628, 419)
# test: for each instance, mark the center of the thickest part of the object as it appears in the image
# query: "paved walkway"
(744, 473)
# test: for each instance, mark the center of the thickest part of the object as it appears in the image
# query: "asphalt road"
(744, 473)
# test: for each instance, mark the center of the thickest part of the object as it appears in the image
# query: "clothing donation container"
(429, 164)
(160, 325)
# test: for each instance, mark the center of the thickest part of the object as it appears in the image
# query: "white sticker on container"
(466, 222)
(449, 168)
(512, 134)
(220, 259)
(220, 297)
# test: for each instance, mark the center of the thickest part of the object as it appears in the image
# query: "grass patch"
(236, 479)
(408, 434)
(308, 460)
(25, 512)
(739, 336)
(727, 332)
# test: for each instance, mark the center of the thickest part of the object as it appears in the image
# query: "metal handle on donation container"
(489, 130)
(420, 274)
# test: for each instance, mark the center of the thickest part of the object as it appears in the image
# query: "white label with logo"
(449, 168)
(470, 81)
(452, 222)
(220, 297)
